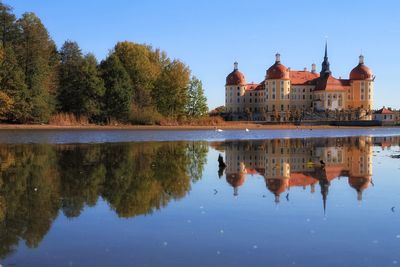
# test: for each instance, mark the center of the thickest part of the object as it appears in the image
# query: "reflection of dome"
(278, 70)
(236, 180)
(277, 186)
(361, 71)
(235, 77)
(359, 183)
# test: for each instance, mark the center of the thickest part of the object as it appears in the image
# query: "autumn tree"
(170, 92)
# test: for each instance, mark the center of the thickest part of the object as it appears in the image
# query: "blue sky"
(210, 35)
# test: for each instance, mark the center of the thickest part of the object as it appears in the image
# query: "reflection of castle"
(286, 163)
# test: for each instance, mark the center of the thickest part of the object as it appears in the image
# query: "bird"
(247, 130)
(287, 197)
(392, 209)
(219, 130)
(215, 191)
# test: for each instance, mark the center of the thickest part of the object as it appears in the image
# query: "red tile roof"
(330, 83)
(384, 111)
(302, 77)
(255, 86)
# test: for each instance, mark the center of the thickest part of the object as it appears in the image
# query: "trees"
(81, 89)
(135, 83)
(197, 102)
(37, 56)
(118, 89)
(170, 92)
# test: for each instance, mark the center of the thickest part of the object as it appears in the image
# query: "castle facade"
(286, 94)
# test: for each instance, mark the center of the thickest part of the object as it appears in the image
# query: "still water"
(278, 202)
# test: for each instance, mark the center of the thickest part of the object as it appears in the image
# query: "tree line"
(135, 83)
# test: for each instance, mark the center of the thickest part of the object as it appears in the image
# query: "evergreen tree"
(118, 89)
(81, 88)
(37, 55)
(8, 29)
(69, 77)
(197, 102)
(12, 82)
(92, 90)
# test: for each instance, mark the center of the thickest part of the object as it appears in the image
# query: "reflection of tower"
(277, 187)
(359, 184)
(236, 180)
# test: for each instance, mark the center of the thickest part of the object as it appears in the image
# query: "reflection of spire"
(277, 200)
(324, 184)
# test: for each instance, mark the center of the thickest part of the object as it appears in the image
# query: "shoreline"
(233, 126)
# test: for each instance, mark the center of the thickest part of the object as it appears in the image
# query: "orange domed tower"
(360, 184)
(236, 180)
(277, 186)
(277, 90)
(235, 88)
(362, 86)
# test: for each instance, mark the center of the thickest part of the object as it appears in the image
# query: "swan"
(247, 130)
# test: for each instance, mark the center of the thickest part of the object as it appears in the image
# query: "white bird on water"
(219, 130)
(247, 130)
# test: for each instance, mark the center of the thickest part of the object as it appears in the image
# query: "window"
(238, 94)
(273, 96)
(304, 96)
(281, 107)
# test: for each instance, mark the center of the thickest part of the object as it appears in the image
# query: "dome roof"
(235, 77)
(359, 183)
(361, 71)
(278, 71)
(236, 179)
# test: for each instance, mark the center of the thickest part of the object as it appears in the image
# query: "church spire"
(325, 70)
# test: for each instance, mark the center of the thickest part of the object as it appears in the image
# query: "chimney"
(313, 68)
(235, 66)
(305, 69)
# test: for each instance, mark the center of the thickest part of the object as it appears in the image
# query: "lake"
(161, 198)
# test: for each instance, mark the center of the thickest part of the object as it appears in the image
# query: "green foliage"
(197, 102)
(12, 82)
(118, 89)
(37, 56)
(81, 89)
(143, 68)
(170, 91)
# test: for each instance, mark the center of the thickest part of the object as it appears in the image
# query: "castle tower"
(362, 87)
(277, 90)
(235, 87)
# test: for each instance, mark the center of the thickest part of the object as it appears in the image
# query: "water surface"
(278, 202)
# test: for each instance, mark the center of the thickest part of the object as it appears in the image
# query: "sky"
(209, 35)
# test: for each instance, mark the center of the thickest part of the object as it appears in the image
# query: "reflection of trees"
(36, 181)
(30, 191)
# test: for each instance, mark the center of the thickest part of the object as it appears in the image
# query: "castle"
(287, 94)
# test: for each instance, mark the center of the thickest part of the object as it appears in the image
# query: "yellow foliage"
(6, 104)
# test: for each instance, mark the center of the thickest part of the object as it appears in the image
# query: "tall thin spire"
(325, 70)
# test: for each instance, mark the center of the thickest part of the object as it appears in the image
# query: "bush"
(144, 116)
(68, 119)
